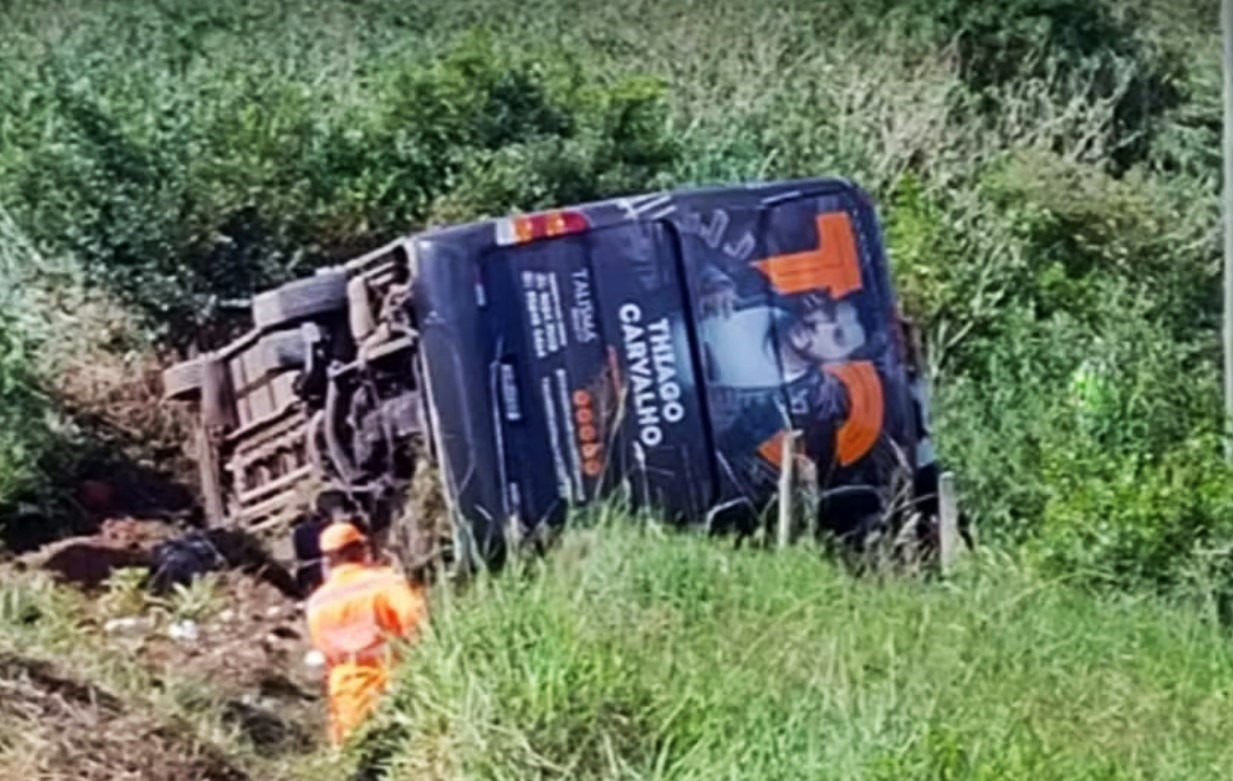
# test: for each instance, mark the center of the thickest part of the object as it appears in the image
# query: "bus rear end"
(661, 347)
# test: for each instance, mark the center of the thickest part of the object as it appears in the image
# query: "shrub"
(1132, 521)
(1083, 231)
(192, 187)
(1095, 49)
(23, 437)
(1134, 478)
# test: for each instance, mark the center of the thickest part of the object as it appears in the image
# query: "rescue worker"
(352, 619)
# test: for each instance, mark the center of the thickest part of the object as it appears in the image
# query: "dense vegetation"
(1048, 172)
(1047, 169)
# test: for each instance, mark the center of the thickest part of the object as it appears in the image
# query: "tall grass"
(631, 655)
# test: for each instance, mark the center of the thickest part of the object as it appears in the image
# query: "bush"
(1084, 232)
(195, 186)
(1070, 315)
(23, 437)
(1133, 521)
(1134, 477)
(1094, 49)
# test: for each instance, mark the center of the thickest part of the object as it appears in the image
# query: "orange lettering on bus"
(866, 410)
(833, 265)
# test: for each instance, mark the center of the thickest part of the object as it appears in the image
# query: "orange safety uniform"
(351, 619)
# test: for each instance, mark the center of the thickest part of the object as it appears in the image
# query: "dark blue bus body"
(660, 347)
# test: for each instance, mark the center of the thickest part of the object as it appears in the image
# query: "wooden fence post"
(949, 541)
(787, 469)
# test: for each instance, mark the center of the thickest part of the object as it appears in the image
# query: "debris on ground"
(56, 727)
(88, 561)
(130, 626)
(185, 631)
(171, 556)
(181, 560)
(251, 652)
(243, 634)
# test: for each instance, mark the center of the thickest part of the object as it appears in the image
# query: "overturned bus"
(497, 374)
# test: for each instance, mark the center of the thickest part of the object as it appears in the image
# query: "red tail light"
(519, 230)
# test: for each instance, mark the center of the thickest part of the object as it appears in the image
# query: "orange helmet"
(337, 536)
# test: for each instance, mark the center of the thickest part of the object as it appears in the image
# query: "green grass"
(631, 655)
(635, 654)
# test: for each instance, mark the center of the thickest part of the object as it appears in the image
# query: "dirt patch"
(246, 555)
(136, 534)
(88, 561)
(58, 728)
(257, 633)
(247, 644)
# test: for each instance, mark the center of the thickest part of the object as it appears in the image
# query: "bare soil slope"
(55, 727)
